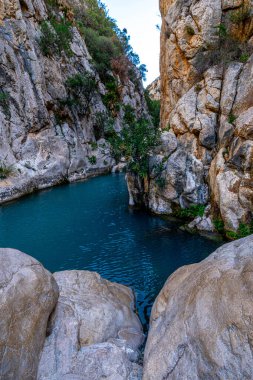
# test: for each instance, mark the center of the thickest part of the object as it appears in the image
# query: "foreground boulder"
(93, 333)
(201, 322)
(28, 294)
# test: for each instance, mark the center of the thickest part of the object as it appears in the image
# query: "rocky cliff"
(56, 104)
(206, 155)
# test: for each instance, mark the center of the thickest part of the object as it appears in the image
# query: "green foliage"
(6, 170)
(136, 143)
(92, 160)
(103, 125)
(112, 97)
(244, 57)
(56, 37)
(222, 30)
(167, 129)
(192, 212)
(219, 225)
(231, 118)
(81, 89)
(243, 231)
(105, 41)
(94, 145)
(158, 170)
(129, 115)
(241, 15)
(154, 107)
(5, 101)
(198, 88)
(189, 30)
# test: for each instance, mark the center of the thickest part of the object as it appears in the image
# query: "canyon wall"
(206, 112)
(44, 138)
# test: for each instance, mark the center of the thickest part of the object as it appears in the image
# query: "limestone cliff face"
(207, 109)
(45, 142)
(154, 89)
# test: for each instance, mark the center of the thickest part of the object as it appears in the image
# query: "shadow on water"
(88, 226)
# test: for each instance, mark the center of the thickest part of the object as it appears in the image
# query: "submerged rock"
(28, 294)
(94, 332)
(201, 322)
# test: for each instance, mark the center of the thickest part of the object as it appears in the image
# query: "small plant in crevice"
(189, 30)
(198, 88)
(231, 118)
(241, 15)
(243, 231)
(5, 102)
(6, 170)
(56, 37)
(244, 57)
(191, 212)
(219, 225)
(92, 160)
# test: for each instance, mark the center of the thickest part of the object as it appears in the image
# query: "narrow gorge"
(145, 271)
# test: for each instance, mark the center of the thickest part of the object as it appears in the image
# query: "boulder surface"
(28, 294)
(201, 322)
(94, 332)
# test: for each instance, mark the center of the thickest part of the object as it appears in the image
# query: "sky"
(140, 18)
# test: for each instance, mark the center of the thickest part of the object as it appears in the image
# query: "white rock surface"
(94, 332)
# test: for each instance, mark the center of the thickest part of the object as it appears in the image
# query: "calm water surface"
(88, 226)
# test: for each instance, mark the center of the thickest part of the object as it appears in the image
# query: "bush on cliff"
(135, 143)
(56, 37)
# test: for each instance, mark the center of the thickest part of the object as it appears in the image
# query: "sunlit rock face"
(154, 89)
(201, 325)
(207, 107)
(46, 143)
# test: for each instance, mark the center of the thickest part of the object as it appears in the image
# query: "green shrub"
(244, 57)
(231, 118)
(56, 37)
(92, 160)
(192, 212)
(219, 225)
(6, 170)
(189, 30)
(81, 89)
(129, 114)
(5, 101)
(105, 41)
(136, 143)
(112, 97)
(241, 15)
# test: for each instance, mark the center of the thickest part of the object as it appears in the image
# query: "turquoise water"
(88, 226)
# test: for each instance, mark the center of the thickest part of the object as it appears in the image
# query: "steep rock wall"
(45, 143)
(207, 110)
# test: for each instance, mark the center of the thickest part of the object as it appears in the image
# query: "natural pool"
(88, 226)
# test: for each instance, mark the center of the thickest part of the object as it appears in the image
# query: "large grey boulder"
(201, 322)
(28, 294)
(94, 332)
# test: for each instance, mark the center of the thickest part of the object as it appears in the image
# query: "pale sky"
(140, 18)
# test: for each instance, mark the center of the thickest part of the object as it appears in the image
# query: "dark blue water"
(89, 226)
